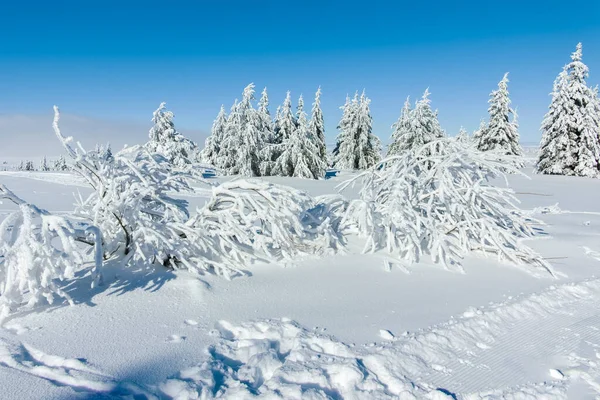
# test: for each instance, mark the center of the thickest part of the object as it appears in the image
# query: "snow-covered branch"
(36, 249)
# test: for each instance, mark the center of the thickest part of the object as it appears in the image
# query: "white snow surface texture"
(335, 327)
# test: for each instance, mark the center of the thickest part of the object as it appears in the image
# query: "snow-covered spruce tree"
(266, 128)
(462, 136)
(29, 166)
(227, 152)
(343, 127)
(316, 129)
(479, 132)
(369, 145)
(571, 128)
(438, 200)
(44, 165)
(400, 130)
(212, 146)
(345, 148)
(250, 146)
(501, 133)
(36, 250)
(60, 164)
(285, 125)
(357, 147)
(300, 156)
(286, 122)
(242, 138)
(166, 140)
(423, 126)
(21, 166)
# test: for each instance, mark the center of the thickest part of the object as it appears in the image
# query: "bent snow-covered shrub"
(139, 219)
(438, 200)
(254, 219)
(36, 249)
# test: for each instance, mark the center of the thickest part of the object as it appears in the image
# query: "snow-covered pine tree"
(227, 152)
(300, 156)
(21, 166)
(345, 151)
(44, 165)
(571, 128)
(423, 125)
(240, 139)
(267, 132)
(369, 145)
(463, 136)
(400, 131)
(60, 164)
(167, 141)
(264, 117)
(316, 128)
(285, 124)
(476, 137)
(29, 166)
(247, 139)
(501, 134)
(300, 111)
(343, 127)
(212, 145)
(357, 147)
(250, 140)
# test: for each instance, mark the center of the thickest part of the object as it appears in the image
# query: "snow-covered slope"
(335, 327)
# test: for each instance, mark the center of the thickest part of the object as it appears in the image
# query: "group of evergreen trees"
(58, 165)
(571, 129)
(250, 142)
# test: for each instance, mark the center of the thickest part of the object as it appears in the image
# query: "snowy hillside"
(339, 326)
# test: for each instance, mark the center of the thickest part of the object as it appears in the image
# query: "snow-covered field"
(336, 327)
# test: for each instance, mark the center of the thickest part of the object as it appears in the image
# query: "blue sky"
(118, 60)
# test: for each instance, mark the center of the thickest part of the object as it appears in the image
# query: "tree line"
(249, 141)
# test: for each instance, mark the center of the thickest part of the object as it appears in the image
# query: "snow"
(336, 326)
